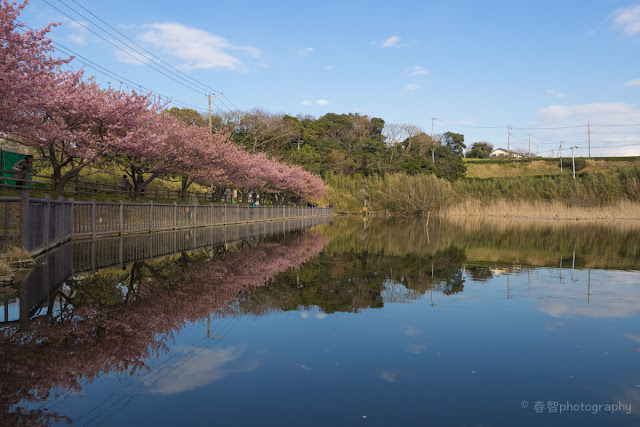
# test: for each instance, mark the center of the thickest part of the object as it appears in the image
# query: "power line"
(128, 53)
(136, 44)
(472, 126)
(85, 61)
(555, 127)
(203, 85)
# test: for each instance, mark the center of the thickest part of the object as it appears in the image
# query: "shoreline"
(534, 210)
(538, 210)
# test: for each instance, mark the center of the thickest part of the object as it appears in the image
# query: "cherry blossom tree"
(79, 123)
(26, 68)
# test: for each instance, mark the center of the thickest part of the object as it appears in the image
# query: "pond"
(366, 322)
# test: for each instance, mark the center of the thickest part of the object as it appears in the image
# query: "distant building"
(501, 152)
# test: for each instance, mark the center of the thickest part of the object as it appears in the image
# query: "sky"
(497, 71)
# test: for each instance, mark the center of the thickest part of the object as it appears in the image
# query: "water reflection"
(479, 310)
(116, 319)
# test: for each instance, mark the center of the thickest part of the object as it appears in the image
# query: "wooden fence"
(38, 224)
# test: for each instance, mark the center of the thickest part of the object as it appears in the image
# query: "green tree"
(480, 150)
(455, 142)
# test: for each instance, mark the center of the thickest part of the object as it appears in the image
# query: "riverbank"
(613, 195)
(545, 210)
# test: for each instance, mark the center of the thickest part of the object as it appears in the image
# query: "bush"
(568, 163)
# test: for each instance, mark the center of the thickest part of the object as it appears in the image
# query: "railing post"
(47, 219)
(175, 214)
(121, 252)
(6, 225)
(121, 217)
(93, 256)
(24, 219)
(72, 217)
(195, 218)
(60, 229)
(93, 216)
(151, 216)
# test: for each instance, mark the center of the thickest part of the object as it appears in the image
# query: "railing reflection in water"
(38, 291)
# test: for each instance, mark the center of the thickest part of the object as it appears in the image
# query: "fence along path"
(38, 292)
(38, 224)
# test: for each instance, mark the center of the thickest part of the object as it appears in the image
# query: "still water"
(356, 323)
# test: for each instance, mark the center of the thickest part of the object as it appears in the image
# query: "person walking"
(23, 169)
(125, 185)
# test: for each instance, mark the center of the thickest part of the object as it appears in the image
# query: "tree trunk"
(186, 183)
(217, 194)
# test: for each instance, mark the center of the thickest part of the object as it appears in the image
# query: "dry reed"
(539, 209)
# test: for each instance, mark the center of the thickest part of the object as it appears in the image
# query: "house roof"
(513, 153)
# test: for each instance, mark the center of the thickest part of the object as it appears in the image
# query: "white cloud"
(417, 70)
(393, 41)
(413, 86)
(633, 83)
(602, 113)
(197, 48)
(322, 102)
(321, 316)
(411, 331)
(389, 376)
(634, 338)
(306, 102)
(628, 18)
(306, 51)
(79, 32)
(417, 349)
(205, 367)
(557, 94)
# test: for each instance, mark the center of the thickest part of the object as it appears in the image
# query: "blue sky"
(477, 67)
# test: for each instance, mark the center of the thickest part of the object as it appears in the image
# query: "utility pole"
(433, 119)
(210, 126)
(573, 160)
(529, 144)
(560, 156)
(589, 132)
(433, 158)
(508, 141)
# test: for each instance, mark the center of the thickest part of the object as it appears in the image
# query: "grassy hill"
(490, 168)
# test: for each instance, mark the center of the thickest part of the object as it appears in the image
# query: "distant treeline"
(343, 144)
(398, 169)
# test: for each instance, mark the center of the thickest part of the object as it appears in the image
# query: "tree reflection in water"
(115, 320)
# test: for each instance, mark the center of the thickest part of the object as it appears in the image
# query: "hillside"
(489, 168)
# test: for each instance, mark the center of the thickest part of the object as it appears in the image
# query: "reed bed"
(541, 209)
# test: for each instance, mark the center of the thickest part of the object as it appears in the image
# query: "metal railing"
(9, 180)
(38, 224)
(89, 255)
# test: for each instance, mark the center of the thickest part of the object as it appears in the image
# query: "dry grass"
(511, 169)
(5, 268)
(12, 259)
(540, 167)
(555, 210)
